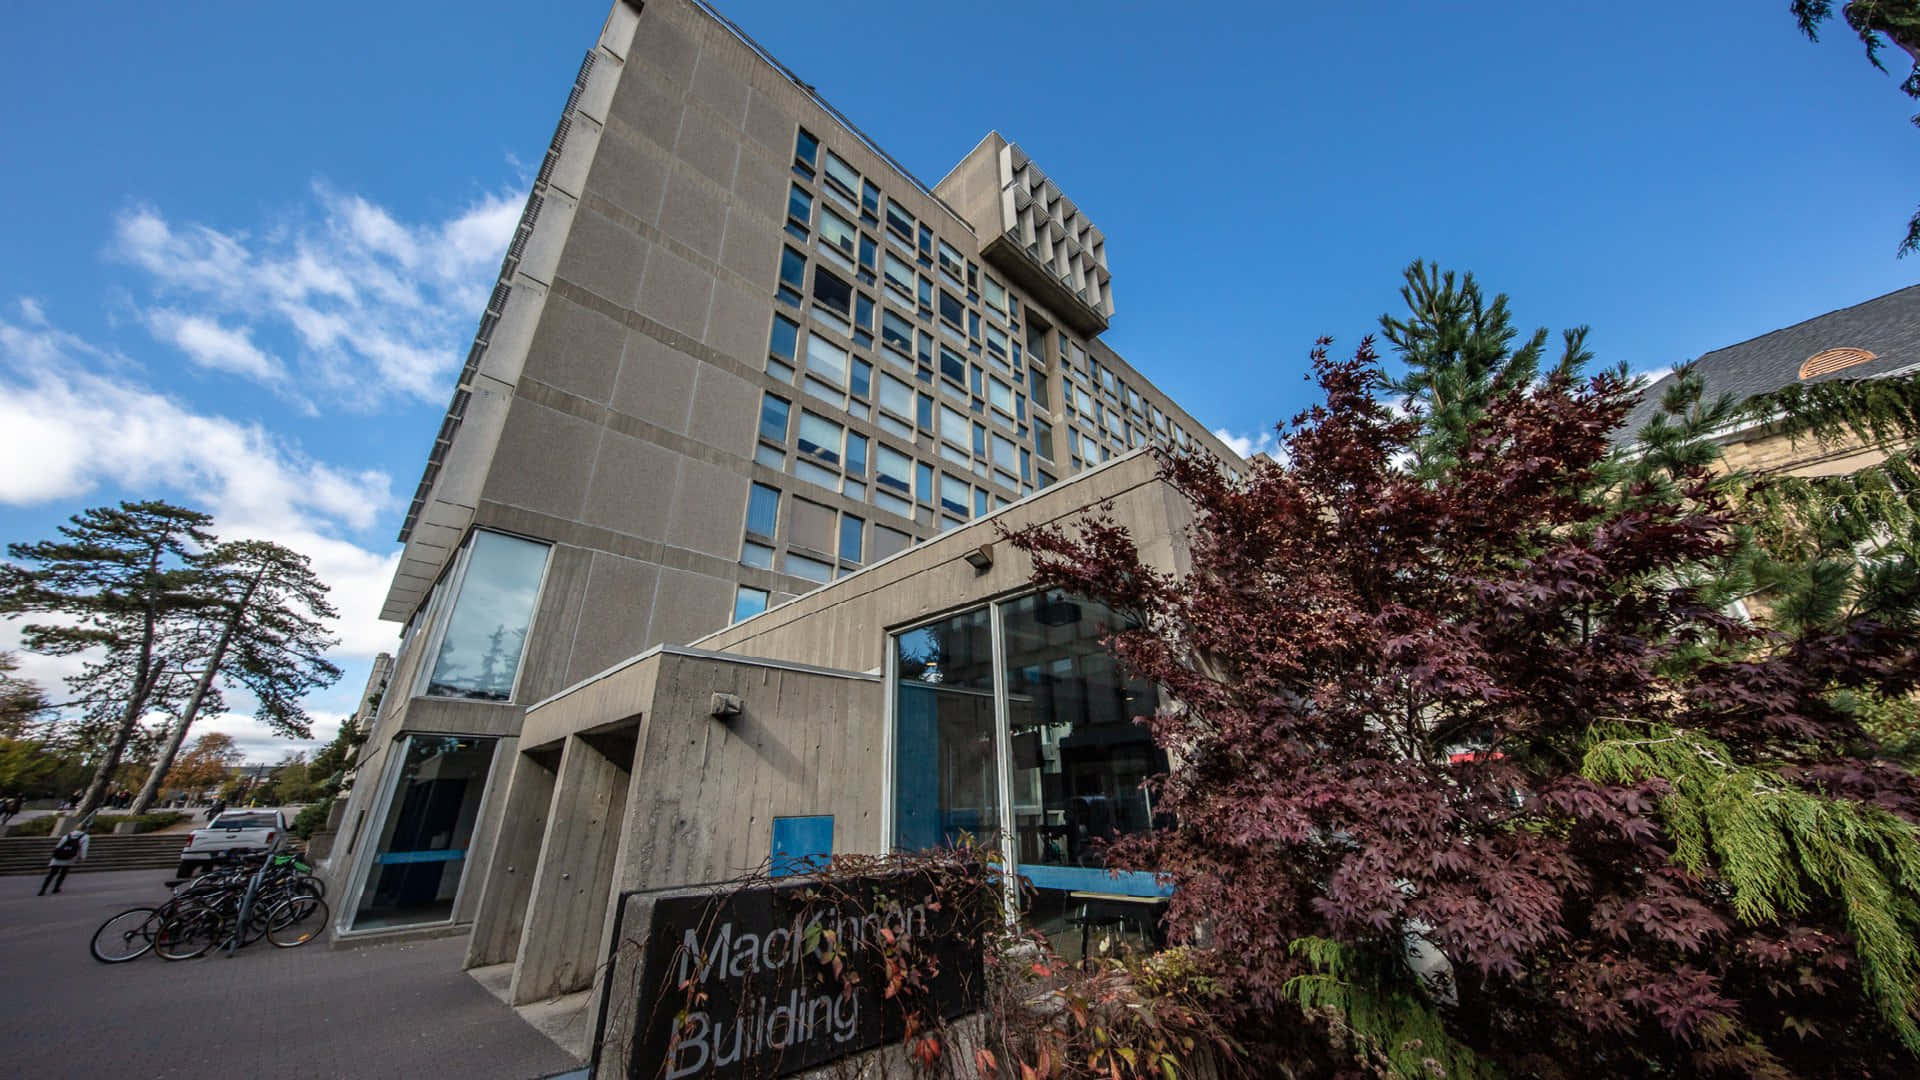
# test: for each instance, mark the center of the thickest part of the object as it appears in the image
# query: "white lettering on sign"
(705, 1042)
(708, 1042)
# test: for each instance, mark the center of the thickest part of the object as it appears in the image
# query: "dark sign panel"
(772, 979)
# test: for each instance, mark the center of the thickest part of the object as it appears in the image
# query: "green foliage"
(1781, 849)
(1392, 1027)
(1459, 355)
(311, 818)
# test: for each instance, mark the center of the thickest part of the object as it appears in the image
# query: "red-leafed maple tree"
(1472, 774)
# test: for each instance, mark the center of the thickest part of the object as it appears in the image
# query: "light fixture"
(980, 558)
(724, 706)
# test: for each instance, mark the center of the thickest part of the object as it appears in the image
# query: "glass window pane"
(826, 359)
(899, 221)
(1000, 395)
(748, 602)
(1081, 751)
(837, 231)
(793, 269)
(892, 468)
(805, 147)
(763, 510)
(785, 334)
(856, 454)
(480, 650)
(832, 293)
(842, 172)
(946, 775)
(811, 569)
(896, 395)
(799, 204)
(760, 555)
(421, 847)
(819, 437)
(954, 494)
(852, 532)
(773, 418)
(896, 331)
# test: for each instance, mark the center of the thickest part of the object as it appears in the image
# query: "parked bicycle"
(232, 905)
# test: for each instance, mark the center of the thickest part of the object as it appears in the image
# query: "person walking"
(9, 806)
(69, 849)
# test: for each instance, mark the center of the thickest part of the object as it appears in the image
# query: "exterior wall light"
(980, 558)
(724, 706)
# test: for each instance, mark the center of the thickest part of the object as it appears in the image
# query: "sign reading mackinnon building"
(746, 984)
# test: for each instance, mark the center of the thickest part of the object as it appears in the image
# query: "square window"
(748, 602)
(819, 438)
(951, 309)
(832, 293)
(826, 359)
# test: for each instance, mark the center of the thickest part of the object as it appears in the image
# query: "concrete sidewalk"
(385, 1010)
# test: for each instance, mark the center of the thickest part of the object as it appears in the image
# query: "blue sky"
(250, 242)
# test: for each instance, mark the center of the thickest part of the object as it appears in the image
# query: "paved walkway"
(387, 1010)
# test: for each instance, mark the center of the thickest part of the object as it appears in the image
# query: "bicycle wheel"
(189, 932)
(126, 936)
(297, 921)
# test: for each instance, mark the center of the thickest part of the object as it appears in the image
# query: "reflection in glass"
(421, 848)
(946, 779)
(480, 651)
(1079, 757)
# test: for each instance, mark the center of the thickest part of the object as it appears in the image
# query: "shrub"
(311, 818)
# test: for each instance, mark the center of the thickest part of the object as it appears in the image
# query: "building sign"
(772, 979)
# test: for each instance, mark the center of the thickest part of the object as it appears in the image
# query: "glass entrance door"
(421, 848)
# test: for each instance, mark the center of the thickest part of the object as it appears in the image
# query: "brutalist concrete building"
(736, 356)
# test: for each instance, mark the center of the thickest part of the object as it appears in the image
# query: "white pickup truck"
(234, 832)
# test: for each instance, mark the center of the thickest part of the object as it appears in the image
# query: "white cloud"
(1654, 375)
(1265, 442)
(213, 346)
(68, 429)
(368, 305)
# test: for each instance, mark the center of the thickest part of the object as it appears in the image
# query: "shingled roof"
(1888, 327)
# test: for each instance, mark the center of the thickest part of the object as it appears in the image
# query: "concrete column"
(516, 854)
(567, 907)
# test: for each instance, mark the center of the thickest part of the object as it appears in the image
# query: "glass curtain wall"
(479, 654)
(420, 851)
(946, 773)
(1051, 766)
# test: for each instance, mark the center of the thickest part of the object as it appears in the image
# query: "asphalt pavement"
(375, 1011)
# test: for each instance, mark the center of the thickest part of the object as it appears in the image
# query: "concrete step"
(147, 851)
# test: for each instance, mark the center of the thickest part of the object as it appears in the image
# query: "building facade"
(1874, 339)
(735, 354)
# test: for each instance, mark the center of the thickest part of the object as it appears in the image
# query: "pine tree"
(267, 635)
(123, 577)
(1457, 351)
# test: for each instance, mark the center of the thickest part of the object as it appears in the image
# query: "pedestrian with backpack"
(70, 849)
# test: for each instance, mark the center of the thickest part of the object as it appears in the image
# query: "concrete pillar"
(567, 907)
(516, 855)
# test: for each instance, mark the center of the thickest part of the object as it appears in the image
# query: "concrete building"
(736, 356)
